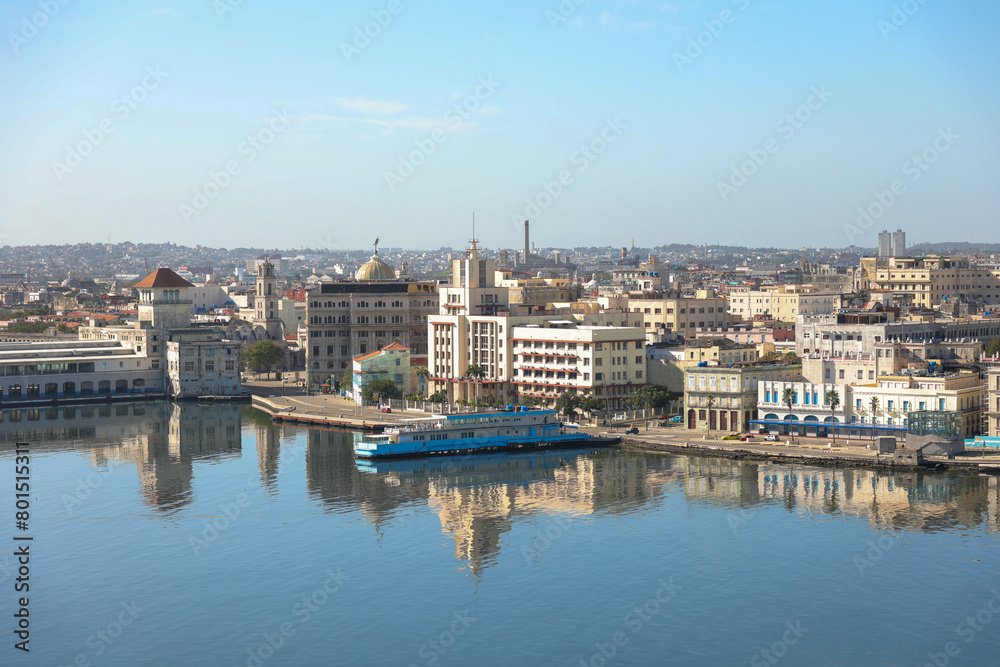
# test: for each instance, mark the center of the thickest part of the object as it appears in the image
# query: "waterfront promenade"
(334, 411)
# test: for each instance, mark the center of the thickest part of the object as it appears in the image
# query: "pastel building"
(390, 363)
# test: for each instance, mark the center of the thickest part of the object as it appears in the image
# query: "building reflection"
(478, 498)
(161, 440)
(912, 500)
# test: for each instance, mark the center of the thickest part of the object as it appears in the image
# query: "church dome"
(375, 269)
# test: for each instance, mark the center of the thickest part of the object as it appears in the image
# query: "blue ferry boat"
(506, 430)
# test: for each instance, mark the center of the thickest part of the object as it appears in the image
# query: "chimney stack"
(527, 248)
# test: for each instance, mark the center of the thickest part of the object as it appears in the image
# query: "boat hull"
(451, 448)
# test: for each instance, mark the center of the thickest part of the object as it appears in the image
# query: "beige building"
(350, 318)
(898, 395)
(201, 363)
(684, 315)
(523, 354)
(931, 281)
(781, 302)
(992, 412)
(603, 362)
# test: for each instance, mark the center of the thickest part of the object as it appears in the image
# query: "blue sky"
(282, 125)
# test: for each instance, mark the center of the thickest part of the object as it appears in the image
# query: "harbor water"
(185, 534)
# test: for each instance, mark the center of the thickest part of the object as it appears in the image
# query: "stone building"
(350, 318)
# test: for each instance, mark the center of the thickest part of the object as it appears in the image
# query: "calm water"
(561, 558)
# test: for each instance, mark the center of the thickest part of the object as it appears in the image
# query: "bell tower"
(267, 301)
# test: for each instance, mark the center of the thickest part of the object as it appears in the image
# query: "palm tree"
(874, 407)
(422, 373)
(711, 402)
(788, 396)
(476, 372)
(833, 400)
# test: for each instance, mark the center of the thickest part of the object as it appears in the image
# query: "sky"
(328, 124)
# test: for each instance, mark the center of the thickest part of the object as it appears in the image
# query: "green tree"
(568, 403)
(28, 327)
(833, 400)
(346, 380)
(993, 347)
(266, 355)
(649, 397)
(590, 404)
(531, 401)
(383, 389)
(438, 397)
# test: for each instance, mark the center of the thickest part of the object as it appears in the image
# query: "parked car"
(746, 436)
(385, 410)
(772, 437)
(678, 419)
(633, 431)
(731, 436)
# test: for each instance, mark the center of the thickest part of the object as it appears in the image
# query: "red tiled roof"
(163, 278)
(395, 346)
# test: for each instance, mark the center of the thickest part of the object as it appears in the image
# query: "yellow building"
(724, 398)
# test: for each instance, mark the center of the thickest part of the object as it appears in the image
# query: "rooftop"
(162, 277)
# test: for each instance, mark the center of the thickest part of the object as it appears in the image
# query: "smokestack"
(527, 248)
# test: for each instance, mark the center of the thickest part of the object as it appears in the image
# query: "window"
(189, 367)
(209, 365)
(841, 374)
(230, 365)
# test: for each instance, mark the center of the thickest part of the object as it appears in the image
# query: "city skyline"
(757, 124)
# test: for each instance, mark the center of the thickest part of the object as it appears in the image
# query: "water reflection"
(923, 501)
(478, 499)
